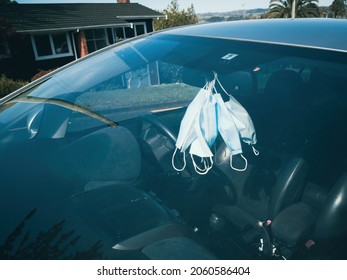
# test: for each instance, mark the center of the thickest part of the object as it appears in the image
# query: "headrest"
(284, 81)
(283, 90)
(240, 83)
(195, 77)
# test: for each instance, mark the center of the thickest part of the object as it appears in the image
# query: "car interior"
(290, 202)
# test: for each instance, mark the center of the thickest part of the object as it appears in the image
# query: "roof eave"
(46, 30)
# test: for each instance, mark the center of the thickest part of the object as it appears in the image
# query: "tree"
(284, 8)
(338, 9)
(176, 17)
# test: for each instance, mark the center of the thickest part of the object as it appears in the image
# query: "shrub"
(40, 74)
(7, 85)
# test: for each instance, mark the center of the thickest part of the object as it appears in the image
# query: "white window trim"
(139, 23)
(54, 54)
(133, 24)
(114, 34)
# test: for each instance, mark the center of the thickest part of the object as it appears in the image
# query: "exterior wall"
(22, 63)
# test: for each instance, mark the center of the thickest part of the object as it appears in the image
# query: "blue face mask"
(187, 133)
(242, 119)
(207, 132)
(229, 131)
(206, 117)
(196, 130)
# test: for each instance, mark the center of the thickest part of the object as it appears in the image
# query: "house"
(46, 36)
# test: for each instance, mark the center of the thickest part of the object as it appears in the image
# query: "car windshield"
(159, 73)
(59, 155)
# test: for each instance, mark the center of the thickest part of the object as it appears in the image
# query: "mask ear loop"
(199, 170)
(237, 169)
(255, 151)
(221, 86)
(173, 161)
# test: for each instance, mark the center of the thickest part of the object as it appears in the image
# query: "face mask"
(206, 116)
(194, 127)
(207, 132)
(242, 120)
(186, 134)
(228, 131)
(208, 120)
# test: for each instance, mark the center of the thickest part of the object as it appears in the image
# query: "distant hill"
(242, 14)
(231, 15)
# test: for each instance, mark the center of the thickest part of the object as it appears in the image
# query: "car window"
(77, 146)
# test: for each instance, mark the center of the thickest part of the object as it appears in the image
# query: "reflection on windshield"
(64, 104)
(156, 73)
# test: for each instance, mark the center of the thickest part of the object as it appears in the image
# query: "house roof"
(30, 18)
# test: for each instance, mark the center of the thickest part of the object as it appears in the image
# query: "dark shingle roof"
(48, 17)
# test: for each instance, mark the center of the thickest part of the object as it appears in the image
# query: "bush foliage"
(7, 85)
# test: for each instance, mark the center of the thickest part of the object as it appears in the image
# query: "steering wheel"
(158, 135)
(149, 119)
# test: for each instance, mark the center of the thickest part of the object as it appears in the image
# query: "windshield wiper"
(65, 104)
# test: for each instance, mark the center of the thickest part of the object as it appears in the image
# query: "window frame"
(53, 47)
(139, 23)
(143, 23)
(94, 40)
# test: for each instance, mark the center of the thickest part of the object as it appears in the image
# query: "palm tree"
(338, 9)
(285, 8)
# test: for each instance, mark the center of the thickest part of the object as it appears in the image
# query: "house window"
(140, 28)
(129, 32)
(4, 49)
(119, 33)
(122, 33)
(96, 39)
(48, 46)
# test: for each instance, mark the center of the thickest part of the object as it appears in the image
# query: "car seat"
(282, 109)
(318, 230)
(111, 195)
(277, 177)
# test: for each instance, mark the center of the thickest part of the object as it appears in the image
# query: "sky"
(200, 6)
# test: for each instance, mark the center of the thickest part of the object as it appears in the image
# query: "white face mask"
(195, 126)
(206, 116)
(208, 120)
(242, 121)
(227, 127)
(187, 134)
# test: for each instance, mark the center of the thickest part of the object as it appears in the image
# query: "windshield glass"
(156, 73)
(94, 142)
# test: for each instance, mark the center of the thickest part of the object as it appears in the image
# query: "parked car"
(91, 169)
